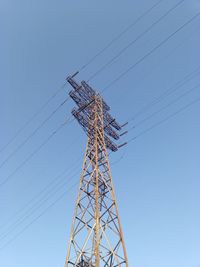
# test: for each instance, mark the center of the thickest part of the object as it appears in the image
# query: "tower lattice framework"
(96, 238)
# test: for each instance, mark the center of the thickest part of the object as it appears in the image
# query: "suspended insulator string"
(35, 151)
(56, 180)
(165, 107)
(33, 117)
(129, 27)
(164, 120)
(151, 52)
(166, 93)
(32, 134)
(113, 59)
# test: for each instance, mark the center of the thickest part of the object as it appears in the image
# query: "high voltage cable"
(36, 206)
(120, 158)
(133, 42)
(165, 107)
(64, 194)
(35, 151)
(131, 25)
(180, 83)
(49, 185)
(33, 117)
(84, 66)
(148, 129)
(166, 93)
(32, 134)
(168, 116)
(55, 94)
(68, 121)
(150, 52)
(182, 26)
(158, 99)
(120, 34)
(164, 120)
(40, 215)
(44, 211)
(130, 140)
(150, 104)
(119, 77)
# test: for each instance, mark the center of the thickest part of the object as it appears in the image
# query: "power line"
(186, 78)
(91, 60)
(68, 121)
(165, 40)
(84, 66)
(133, 42)
(33, 117)
(44, 211)
(38, 217)
(32, 134)
(166, 93)
(132, 139)
(141, 133)
(36, 206)
(150, 52)
(47, 209)
(36, 197)
(120, 158)
(64, 194)
(129, 141)
(130, 68)
(35, 151)
(120, 34)
(165, 107)
(169, 54)
(164, 120)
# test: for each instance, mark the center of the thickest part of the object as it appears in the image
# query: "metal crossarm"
(96, 238)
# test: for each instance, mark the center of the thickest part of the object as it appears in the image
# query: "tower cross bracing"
(96, 238)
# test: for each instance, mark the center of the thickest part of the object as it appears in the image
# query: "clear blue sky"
(158, 178)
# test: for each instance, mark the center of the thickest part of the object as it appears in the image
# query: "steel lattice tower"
(96, 236)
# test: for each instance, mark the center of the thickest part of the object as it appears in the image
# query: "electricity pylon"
(96, 238)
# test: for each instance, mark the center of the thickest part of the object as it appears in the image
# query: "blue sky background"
(157, 177)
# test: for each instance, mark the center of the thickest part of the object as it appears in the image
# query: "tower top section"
(85, 97)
